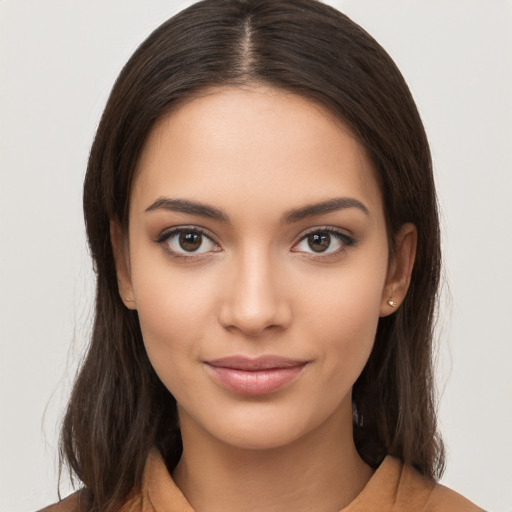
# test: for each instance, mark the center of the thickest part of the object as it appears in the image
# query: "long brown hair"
(119, 409)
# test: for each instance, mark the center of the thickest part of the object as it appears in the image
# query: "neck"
(321, 471)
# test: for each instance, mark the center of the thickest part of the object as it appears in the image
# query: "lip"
(254, 376)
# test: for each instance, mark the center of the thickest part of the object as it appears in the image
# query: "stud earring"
(391, 303)
(129, 300)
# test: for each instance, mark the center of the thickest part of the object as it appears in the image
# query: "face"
(257, 259)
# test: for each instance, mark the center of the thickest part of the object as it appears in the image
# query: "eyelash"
(166, 235)
(346, 241)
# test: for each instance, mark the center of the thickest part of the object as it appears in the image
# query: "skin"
(256, 287)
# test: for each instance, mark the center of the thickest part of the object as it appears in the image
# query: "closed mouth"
(255, 364)
(254, 376)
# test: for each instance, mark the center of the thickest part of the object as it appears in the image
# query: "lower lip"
(258, 382)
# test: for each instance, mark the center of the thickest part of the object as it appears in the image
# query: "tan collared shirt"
(394, 487)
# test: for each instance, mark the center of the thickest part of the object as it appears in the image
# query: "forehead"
(263, 146)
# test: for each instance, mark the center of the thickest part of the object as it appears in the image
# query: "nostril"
(256, 320)
(254, 298)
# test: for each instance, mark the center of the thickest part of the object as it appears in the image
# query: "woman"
(262, 216)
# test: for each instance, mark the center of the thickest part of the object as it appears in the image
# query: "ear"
(122, 262)
(399, 269)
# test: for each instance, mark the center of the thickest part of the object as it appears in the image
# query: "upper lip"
(255, 364)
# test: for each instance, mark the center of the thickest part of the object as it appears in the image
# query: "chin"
(260, 439)
(261, 428)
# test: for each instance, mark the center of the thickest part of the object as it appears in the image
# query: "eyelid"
(171, 230)
(341, 234)
(190, 228)
(344, 233)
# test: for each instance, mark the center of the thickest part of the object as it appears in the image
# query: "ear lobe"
(122, 263)
(400, 269)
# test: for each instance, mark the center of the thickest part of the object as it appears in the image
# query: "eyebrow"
(190, 207)
(328, 206)
(289, 217)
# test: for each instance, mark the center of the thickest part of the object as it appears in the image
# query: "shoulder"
(69, 504)
(72, 503)
(431, 496)
(442, 498)
(397, 487)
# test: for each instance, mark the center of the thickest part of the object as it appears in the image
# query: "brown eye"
(187, 242)
(323, 242)
(190, 242)
(319, 242)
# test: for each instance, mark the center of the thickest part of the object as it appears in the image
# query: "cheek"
(342, 315)
(175, 311)
(349, 330)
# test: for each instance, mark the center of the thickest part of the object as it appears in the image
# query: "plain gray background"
(58, 60)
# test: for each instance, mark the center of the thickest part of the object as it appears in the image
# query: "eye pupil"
(190, 241)
(319, 242)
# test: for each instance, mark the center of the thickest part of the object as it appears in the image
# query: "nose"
(254, 300)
